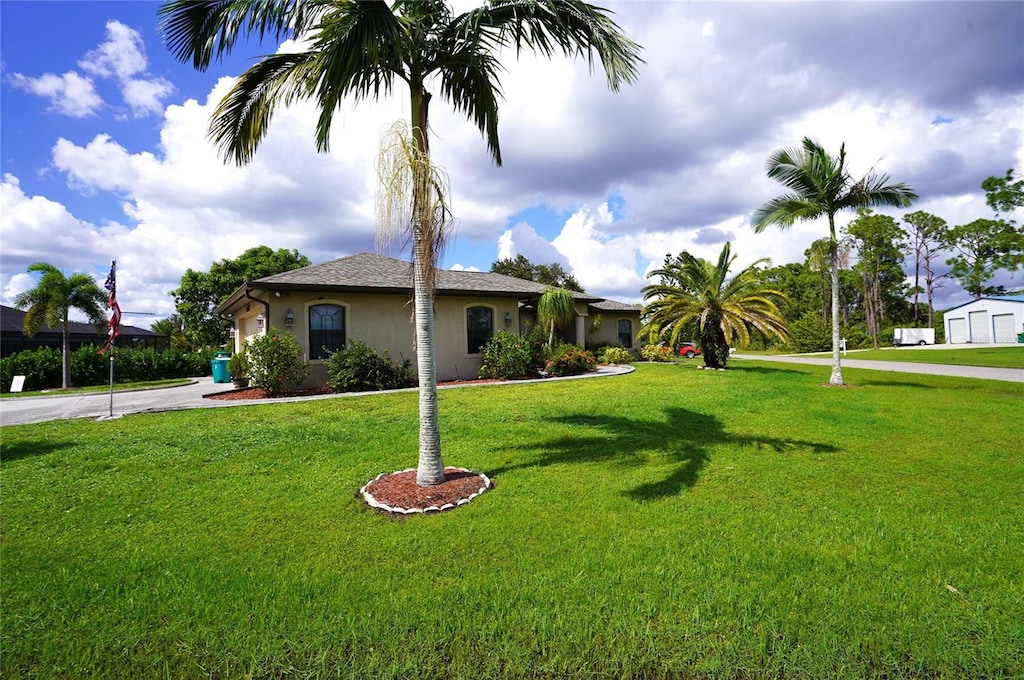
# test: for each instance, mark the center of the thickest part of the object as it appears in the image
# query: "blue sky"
(104, 155)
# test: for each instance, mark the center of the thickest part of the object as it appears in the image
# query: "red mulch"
(258, 393)
(400, 492)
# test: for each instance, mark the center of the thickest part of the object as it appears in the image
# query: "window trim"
(618, 332)
(346, 308)
(465, 324)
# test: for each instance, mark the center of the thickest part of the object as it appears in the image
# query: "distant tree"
(924, 242)
(51, 302)
(877, 240)
(555, 309)
(549, 274)
(173, 328)
(199, 292)
(981, 248)
(820, 185)
(1004, 194)
(696, 292)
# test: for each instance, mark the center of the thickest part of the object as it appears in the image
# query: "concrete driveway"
(850, 361)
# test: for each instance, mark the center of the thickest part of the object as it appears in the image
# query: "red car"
(689, 350)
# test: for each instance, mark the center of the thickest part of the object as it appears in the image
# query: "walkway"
(37, 409)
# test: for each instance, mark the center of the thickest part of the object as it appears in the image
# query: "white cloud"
(69, 94)
(18, 284)
(120, 57)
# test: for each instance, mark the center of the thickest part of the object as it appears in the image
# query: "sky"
(105, 155)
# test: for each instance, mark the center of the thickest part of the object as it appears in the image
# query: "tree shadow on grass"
(11, 452)
(684, 436)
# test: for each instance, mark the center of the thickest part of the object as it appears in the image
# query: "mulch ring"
(399, 493)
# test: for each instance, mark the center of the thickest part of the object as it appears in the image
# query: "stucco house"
(986, 320)
(368, 297)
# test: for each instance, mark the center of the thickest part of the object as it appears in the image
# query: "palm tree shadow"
(685, 436)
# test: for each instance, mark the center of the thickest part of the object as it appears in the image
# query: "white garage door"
(1003, 325)
(957, 331)
(979, 327)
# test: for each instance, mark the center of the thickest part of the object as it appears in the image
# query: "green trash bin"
(1020, 338)
(219, 364)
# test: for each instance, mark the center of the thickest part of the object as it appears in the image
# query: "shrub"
(41, 368)
(275, 363)
(506, 356)
(656, 352)
(358, 368)
(811, 333)
(238, 366)
(570, 360)
(616, 355)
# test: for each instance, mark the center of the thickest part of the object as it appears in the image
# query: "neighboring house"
(13, 338)
(986, 320)
(368, 297)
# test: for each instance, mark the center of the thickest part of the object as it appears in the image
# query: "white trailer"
(913, 336)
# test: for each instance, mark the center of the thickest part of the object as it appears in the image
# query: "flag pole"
(114, 327)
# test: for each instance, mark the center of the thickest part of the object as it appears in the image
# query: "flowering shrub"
(616, 355)
(656, 353)
(570, 360)
(356, 367)
(275, 364)
(506, 355)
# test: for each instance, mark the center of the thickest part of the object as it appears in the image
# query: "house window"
(326, 330)
(479, 328)
(626, 333)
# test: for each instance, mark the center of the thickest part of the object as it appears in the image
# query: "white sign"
(18, 384)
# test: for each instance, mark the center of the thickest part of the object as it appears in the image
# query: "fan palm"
(51, 302)
(821, 185)
(359, 50)
(696, 293)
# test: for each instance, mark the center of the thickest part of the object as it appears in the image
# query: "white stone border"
(374, 503)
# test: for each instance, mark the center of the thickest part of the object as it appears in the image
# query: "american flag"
(114, 327)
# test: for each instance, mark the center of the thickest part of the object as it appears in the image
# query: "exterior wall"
(384, 322)
(608, 332)
(977, 318)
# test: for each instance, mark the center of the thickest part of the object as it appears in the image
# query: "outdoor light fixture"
(289, 318)
(260, 319)
(508, 318)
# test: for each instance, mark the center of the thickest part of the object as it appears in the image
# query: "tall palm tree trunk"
(430, 469)
(65, 354)
(837, 369)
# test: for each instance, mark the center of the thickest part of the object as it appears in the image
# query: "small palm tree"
(821, 185)
(174, 329)
(52, 300)
(354, 51)
(694, 292)
(555, 309)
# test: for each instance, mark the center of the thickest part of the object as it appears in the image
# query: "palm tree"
(694, 292)
(173, 328)
(821, 185)
(51, 301)
(359, 50)
(555, 309)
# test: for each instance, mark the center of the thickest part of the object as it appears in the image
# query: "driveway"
(982, 372)
(22, 410)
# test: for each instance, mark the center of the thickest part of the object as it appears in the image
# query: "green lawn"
(997, 357)
(670, 523)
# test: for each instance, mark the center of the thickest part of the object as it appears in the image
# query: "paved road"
(985, 373)
(22, 410)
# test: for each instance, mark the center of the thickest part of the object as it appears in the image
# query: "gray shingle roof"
(614, 306)
(367, 271)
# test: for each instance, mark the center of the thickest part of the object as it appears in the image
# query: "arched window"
(326, 330)
(626, 333)
(479, 328)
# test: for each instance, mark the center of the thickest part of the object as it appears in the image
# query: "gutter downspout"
(266, 309)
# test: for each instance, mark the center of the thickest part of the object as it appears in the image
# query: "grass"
(671, 523)
(118, 387)
(996, 357)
